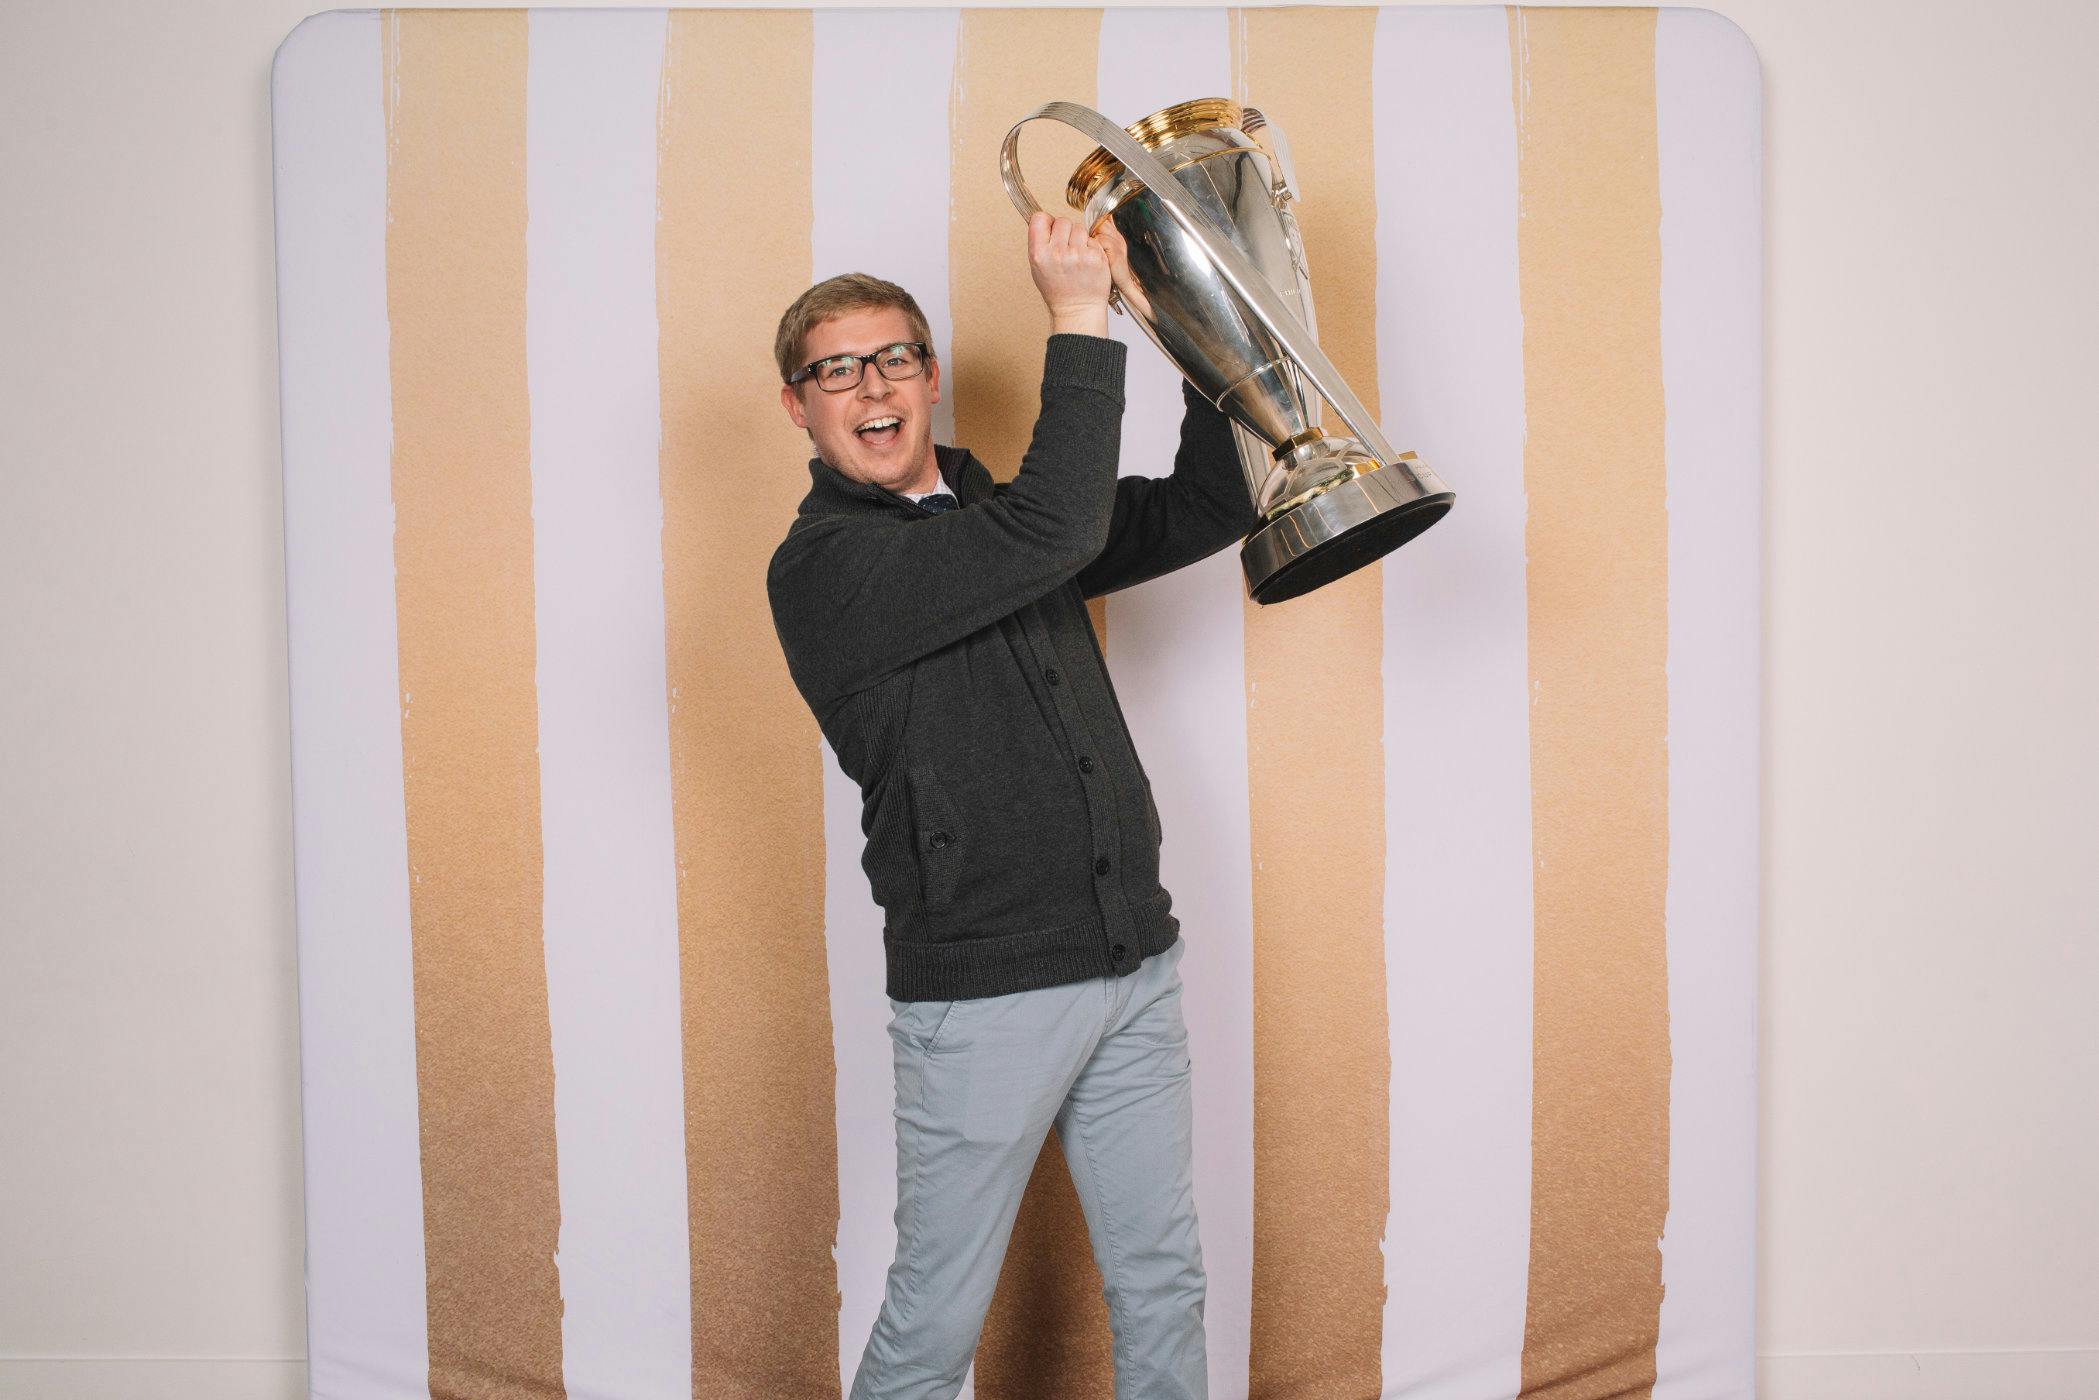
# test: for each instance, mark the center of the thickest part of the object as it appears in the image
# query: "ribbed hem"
(1019, 962)
(1091, 361)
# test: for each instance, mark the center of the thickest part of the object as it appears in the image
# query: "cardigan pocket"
(937, 839)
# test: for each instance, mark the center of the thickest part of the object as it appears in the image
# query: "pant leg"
(978, 1083)
(1128, 1131)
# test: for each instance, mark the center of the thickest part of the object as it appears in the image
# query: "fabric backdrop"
(597, 1088)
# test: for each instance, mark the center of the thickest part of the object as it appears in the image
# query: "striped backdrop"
(1464, 846)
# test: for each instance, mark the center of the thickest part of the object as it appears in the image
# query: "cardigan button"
(1085, 764)
(940, 838)
(1100, 867)
(1053, 676)
(1117, 951)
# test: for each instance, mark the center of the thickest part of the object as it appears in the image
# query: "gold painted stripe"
(1047, 1329)
(1315, 757)
(732, 250)
(1596, 543)
(1009, 62)
(462, 488)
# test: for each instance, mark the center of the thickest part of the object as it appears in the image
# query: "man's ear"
(933, 377)
(792, 402)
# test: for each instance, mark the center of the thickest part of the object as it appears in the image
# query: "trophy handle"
(1277, 145)
(1270, 138)
(1237, 269)
(1017, 184)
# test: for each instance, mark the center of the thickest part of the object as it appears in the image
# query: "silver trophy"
(1195, 201)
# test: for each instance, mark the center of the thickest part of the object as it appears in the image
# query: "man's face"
(899, 458)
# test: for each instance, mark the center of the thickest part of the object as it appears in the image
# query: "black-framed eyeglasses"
(834, 374)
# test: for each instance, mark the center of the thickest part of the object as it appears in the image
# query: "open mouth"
(880, 432)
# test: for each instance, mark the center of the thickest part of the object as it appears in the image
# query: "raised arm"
(855, 598)
(1160, 524)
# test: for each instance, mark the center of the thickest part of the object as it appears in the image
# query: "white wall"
(1929, 1062)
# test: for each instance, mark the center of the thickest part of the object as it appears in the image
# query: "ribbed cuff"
(1090, 361)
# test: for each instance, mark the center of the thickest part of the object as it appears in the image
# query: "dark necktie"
(938, 502)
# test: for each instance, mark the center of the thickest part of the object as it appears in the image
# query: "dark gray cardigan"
(1012, 840)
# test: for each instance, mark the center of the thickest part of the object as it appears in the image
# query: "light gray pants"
(978, 1083)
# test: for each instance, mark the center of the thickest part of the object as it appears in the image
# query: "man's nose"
(873, 385)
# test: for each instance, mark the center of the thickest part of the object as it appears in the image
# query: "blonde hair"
(835, 296)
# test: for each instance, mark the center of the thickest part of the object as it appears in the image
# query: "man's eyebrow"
(840, 354)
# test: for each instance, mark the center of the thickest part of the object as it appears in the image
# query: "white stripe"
(365, 1304)
(1709, 110)
(885, 213)
(1176, 647)
(1457, 745)
(611, 917)
(885, 74)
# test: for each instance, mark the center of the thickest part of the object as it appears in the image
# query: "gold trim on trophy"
(1166, 124)
(1296, 440)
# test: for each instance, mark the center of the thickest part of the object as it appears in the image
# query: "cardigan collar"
(831, 491)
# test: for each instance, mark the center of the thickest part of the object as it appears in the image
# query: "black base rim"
(1351, 550)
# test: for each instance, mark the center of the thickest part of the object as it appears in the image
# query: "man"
(935, 622)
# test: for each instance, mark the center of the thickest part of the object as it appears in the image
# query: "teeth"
(872, 423)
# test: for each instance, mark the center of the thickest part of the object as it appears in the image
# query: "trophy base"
(1334, 533)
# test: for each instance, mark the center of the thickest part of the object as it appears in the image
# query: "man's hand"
(1071, 271)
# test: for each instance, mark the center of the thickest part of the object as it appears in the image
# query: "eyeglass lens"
(842, 372)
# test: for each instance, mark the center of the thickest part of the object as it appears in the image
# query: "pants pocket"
(923, 1024)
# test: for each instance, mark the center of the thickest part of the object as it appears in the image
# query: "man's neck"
(930, 482)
